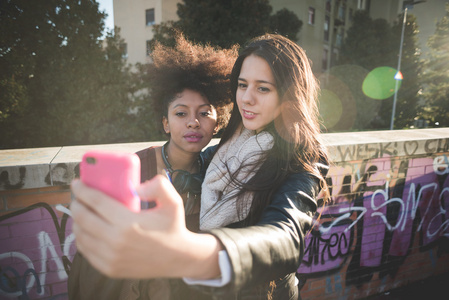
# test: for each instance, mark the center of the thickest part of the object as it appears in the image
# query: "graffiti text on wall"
(379, 207)
(36, 254)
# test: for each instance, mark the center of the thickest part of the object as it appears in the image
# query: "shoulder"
(302, 189)
(147, 152)
(148, 163)
(208, 153)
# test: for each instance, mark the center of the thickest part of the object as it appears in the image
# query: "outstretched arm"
(152, 243)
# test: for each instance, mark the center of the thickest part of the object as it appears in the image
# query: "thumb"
(160, 191)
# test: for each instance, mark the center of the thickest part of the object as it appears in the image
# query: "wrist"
(200, 256)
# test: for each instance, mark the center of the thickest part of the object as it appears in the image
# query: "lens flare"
(331, 108)
(398, 76)
(380, 83)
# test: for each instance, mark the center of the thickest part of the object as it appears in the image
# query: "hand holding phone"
(115, 174)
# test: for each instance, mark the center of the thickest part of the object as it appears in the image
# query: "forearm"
(197, 256)
(259, 254)
(274, 246)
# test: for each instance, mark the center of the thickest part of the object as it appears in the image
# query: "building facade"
(136, 19)
(325, 23)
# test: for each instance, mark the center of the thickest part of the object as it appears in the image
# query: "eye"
(242, 85)
(206, 113)
(180, 114)
(264, 89)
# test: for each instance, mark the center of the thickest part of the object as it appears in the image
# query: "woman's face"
(257, 95)
(191, 121)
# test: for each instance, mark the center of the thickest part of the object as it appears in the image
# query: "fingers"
(88, 227)
(87, 230)
(99, 203)
(99, 220)
(117, 241)
(100, 240)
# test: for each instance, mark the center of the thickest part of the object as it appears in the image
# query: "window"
(149, 17)
(326, 28)
(148, 48)
(334, 58)
(124, 50)
(311, 15)
(360, 4)
(363, 4)
(339, 39)
(324, 60)
(341, 11)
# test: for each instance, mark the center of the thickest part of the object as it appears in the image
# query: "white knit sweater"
(218, 201)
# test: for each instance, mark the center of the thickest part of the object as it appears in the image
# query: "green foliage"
(224, 23)
(369, 43)
(59, 84)
(286, 23)
(436, 75)
(374, 43)
(12, 99)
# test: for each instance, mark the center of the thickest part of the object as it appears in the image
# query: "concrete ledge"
(350, 146)
(45, 167)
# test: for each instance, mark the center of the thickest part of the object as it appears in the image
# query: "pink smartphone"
(115, 174)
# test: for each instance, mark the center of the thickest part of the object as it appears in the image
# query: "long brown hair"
(297, 146)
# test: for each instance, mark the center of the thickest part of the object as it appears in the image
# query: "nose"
(247, 97)
(193, 122)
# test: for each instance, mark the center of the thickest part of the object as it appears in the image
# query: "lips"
(248, 114)
(193, 137)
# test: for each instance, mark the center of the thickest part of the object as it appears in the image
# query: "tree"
(436, 75)
(224, 23)
(286, 23)
(60, 85)
(368, 42)
(374, 43)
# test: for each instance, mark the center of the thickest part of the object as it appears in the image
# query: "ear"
(165, 125)
(216, 129)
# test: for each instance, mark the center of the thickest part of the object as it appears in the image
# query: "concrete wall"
(386, 225)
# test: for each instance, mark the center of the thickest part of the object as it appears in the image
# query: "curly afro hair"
(201, 68)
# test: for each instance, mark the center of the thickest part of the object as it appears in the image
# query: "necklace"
(168, 165)
(185, 182)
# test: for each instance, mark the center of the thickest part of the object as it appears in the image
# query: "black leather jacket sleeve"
(274, 247)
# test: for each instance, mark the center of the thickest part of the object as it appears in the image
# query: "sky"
(106, 5)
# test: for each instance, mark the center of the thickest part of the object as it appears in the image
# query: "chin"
(250, 126)
(195, 147)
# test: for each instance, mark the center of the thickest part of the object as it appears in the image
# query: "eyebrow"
(183, 105)
(258, 81)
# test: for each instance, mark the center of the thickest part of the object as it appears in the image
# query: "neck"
(177, 159)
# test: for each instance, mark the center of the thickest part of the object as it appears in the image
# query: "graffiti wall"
(385, 225)
(385, 211)
(36, 256)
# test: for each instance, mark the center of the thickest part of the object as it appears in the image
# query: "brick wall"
(385, 226)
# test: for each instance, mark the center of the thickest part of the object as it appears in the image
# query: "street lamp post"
(398, 74)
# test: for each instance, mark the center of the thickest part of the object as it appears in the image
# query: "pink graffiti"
(35, 252)
(377, 198)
